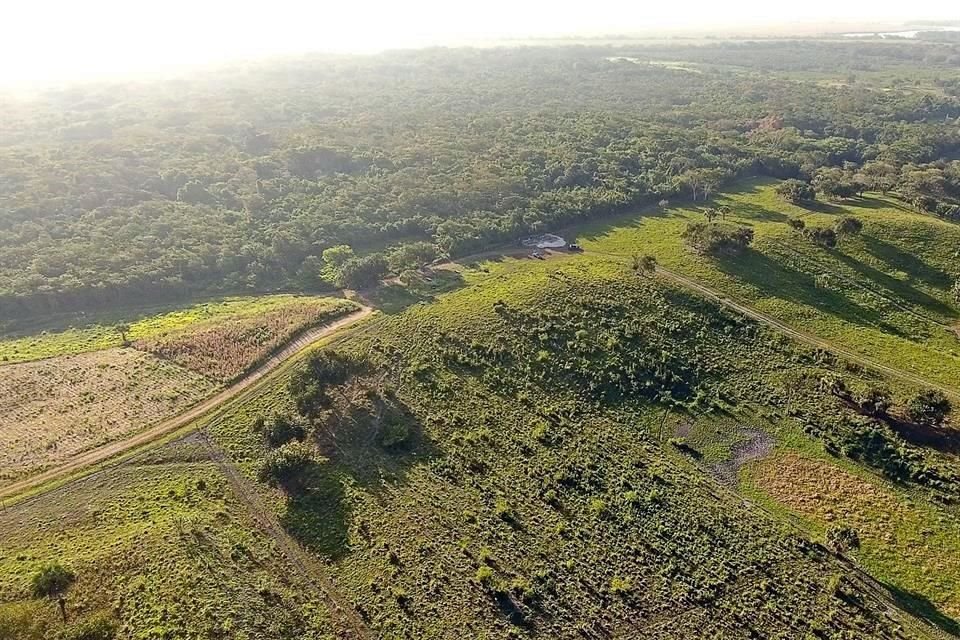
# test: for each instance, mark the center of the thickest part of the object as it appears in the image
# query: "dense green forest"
(240, 178)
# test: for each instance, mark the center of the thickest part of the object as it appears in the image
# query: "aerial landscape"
(641, 332)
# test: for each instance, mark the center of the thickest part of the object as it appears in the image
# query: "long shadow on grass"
(897, 287)
(922, 607)
(866, 202)
(822, 207)
(379, 440)
(318, 514)
(386, 440)
(773, 279)
(907, 262)
(422, 286)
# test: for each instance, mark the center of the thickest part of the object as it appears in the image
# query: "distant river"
(898, 34)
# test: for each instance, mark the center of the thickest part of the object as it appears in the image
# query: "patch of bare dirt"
(758, 444)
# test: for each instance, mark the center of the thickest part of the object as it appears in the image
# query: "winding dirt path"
(800, 335)
(165, 427)
(796, 334)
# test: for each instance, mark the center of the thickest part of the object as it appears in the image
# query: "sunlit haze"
(57, 40)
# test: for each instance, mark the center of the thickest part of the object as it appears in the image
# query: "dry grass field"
(902, 539)
(55, 408)
(226, 348)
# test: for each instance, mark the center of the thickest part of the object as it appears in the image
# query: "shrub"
(848, 226)
(395, 434)
(796, 223)
(930, 408)
(283, 429)
(875, 402)
(823, 236)
(598, 507)
(51, 581)
(484, 576)
(796, 191)
(717, 239)
(620, 586)
(310, 384)
(504, 511)
(841, 539)
(285, 466)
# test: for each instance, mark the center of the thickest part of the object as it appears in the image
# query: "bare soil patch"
(758, 444)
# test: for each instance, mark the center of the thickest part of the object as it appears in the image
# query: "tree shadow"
(822, 207)
(943, 439)
(906, 262)
(384, 441)
(753, 212)
(379, 441)
(773, 279)
(921, 606)
(899, 288)
(868, 202)
(318, 514)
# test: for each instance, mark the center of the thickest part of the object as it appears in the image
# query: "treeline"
(243, 178)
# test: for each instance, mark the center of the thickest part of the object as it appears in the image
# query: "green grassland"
(908, 542)
(162, 549)
(885, 294)
(520, 463)
(563, 423)
(98, 333)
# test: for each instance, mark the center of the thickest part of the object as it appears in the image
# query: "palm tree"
(52, 581)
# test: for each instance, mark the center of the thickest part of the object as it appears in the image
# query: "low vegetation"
(900, 539)
(53, 409)
(79, 332)
(576, 446)
(225, 349)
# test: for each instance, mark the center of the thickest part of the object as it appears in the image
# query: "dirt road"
(165, 427)
(799, 335)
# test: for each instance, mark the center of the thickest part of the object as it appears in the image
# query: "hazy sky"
(53, 40)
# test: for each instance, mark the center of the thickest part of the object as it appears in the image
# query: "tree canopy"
(244, 178)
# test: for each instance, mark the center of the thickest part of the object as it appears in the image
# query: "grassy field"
(55, 408)
(525, 501)
(160, 548)
(551, 449)
(150, 326)
(223, 349)
(905, 541)
(885, 294)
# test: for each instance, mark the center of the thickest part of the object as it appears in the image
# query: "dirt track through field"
(801, 336)
(310, 569)
(113, 449)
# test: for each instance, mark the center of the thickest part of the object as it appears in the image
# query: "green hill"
(885, 293)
